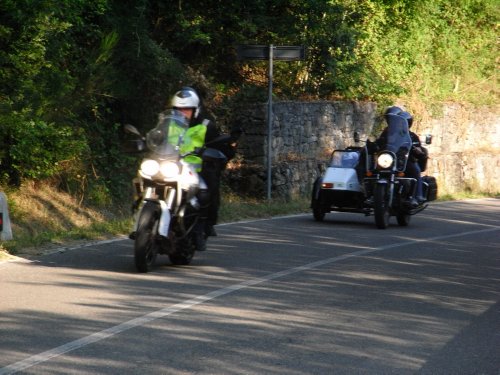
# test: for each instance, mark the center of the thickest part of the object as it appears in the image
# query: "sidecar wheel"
(318, 213)
(403, 219)
(381, 208)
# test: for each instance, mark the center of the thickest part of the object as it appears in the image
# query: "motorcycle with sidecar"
(359, 179)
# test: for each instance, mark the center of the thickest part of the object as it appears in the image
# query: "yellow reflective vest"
(194, 138)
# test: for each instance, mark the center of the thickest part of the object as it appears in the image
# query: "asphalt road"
(280, 296)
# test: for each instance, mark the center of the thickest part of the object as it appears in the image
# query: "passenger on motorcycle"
(417, 153)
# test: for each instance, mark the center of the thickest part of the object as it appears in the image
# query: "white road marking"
(143, 320)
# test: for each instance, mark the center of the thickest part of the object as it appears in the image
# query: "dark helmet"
(392, 110)
(408, 117)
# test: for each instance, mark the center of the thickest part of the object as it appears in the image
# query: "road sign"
(261, 52)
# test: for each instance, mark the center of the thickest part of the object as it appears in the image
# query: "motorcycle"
(373, 183)
(169, 191)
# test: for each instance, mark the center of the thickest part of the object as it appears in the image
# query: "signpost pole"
(263, 52)
(270, 122)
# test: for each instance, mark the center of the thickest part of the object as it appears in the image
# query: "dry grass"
(40, 207)
(43, 218)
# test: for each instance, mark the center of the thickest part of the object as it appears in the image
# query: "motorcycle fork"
(173, 207)
(169, 197)
(390, 191)
(166, 205)
(148, 193)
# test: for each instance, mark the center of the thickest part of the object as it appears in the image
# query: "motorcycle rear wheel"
(381, 208)
(180, 259)
(403, 219)
(184, 256)
(145, 248)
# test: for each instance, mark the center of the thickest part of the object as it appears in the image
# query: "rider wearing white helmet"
(187, 101)
(199, 133)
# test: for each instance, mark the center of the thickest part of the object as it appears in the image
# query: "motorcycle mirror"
(356, 137)
(131, 129)
(223, 138)
(212, 154)
(428, 139)
(134, 146)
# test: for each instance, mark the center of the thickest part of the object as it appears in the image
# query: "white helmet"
(187, 98)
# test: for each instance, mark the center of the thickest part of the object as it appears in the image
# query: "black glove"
(199, 151)
(419, 153)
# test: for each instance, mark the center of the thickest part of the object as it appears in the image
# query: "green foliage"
(434, 49)
(357, 50)
(40, 150)
(72, 71)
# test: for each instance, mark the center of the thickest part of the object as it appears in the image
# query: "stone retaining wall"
(465, 153)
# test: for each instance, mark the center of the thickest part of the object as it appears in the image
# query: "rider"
(412, 166)
(382, 139)
(200, 132)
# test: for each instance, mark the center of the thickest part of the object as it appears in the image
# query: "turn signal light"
(369, 173)
(401, 174)
(327, 185)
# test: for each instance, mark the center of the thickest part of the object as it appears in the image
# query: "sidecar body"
(339, 187)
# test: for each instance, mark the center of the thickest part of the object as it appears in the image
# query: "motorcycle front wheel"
(381, 207)
(145, 249)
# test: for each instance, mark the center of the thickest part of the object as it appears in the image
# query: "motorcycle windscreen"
(398, 136)
(344, 159)
(166, 138)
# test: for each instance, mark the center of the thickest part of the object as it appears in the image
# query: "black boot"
(412, 202)
(210, 231)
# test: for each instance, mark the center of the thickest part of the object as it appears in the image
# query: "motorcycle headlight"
(385, 161)
(169, 169)
(150, 167)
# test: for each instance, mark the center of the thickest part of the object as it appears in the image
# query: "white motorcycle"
(169, 194)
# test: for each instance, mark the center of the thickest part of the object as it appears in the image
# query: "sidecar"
(339, 187)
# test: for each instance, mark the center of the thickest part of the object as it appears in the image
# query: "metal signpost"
(271, 52)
